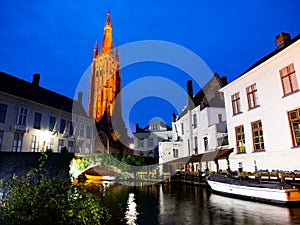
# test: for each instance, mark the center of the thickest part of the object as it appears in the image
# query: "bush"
(39, 200)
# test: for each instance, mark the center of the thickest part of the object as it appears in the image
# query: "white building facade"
(198, 133)
(34, 119)
(146, 140)
(263, 111)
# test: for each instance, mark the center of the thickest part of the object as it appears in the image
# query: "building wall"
(273, 106)
(43, 135)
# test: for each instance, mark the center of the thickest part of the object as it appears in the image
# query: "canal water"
(184, 205)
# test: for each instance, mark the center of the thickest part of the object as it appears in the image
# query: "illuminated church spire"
(105, 82)
(107, 45)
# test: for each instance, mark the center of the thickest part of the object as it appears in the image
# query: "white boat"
(281, 193)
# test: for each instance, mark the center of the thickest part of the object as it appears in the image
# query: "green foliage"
(39, 200)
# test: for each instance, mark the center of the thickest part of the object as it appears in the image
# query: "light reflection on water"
(184, 205)
(131, 213)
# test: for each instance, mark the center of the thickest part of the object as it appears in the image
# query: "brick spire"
(107, 45)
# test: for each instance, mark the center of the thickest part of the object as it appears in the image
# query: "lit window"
(37, 120)
(252, 96)
(288, 79)
(294, 119)
(34, 143)
(22, 116)
(3, 110)
(1, 138)
(240, 139)
(195, 120)
(236, 103)
(258, 138)
(18, 141)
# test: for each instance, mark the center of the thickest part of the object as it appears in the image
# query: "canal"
(185, 204)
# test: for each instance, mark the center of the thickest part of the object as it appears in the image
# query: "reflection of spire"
(107, 45)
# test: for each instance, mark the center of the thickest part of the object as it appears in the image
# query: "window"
(288, 79)
(3, 110)
(175, 153)
(205, 140)
(294, 119)
(34, 143)
(60, 144)
(195, 120)
(88, 132)
(22, 116)
(240, 139)
(258, 138)
(220, 117)
(71, 129)
(62, 126)
(252, 96)
(18, 141)
(52, 121)
(196, 144)
(51, 144)
(182, 128)
(154, 127)
(37, 120)
(1, 138)
(236, 103)
(70, 146)
(150, 142)
(141, 143)
(81, 130)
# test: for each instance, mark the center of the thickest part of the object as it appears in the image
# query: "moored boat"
(275, 192)
(99, 177)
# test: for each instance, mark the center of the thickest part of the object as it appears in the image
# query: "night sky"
(56, 39)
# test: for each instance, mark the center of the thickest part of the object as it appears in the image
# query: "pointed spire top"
(107, 45)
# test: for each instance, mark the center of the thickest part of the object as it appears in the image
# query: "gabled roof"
(208, 95)
(33, 92)
(273, 53)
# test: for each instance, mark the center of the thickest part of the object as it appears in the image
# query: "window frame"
(252, 96)
(3, 111)
(240, 149)
(22, 116)
(289, 75)
(293, 132)
(17, 142)
(236, 103)
(260, 142)
(37, 121)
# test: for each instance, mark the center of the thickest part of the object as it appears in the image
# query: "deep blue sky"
(56, 38)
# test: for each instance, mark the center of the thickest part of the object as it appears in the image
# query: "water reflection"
(166, 205)
(131, 213)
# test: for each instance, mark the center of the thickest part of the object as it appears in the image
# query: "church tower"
(105, 82)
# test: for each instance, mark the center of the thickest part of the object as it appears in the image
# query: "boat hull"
(99, 178)
(280, 196)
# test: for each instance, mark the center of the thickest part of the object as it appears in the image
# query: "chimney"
(137, 128)
(36, 79)
(79, 97)
(189, 86)
(281, 39)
